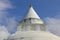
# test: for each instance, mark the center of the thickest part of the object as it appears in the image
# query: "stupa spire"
(30, 5)
(31, 13)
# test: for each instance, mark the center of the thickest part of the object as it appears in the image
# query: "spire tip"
(30, 5)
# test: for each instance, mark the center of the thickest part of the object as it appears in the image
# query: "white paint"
(24, 31)
(32, 14)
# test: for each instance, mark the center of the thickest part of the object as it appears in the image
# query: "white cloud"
(4, 4)
(3, 33)
(9, 21)
(54, 25)
(11, 24)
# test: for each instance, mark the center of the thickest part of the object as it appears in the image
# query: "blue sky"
(13, 11)
(45, 8)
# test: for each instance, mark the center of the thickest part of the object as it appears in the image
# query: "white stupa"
(32, 28)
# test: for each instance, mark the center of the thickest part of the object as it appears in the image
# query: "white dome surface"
(33, 35)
